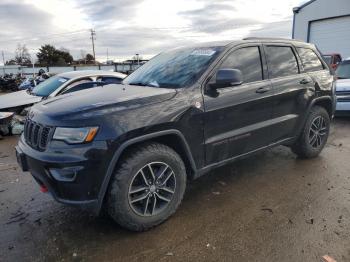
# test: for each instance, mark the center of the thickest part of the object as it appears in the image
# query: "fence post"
(99, 67)
(75, 68)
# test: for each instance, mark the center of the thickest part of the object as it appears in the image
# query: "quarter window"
(247, 60)
(310, 60)
(281, 61)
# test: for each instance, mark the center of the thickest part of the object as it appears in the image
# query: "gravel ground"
(268, 207)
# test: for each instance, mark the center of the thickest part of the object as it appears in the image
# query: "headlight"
(73, 135)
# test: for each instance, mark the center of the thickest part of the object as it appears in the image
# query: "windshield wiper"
(142, 84)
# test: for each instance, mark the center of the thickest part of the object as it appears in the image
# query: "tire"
(128, 186)
(307, 146)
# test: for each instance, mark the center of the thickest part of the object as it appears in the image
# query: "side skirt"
(206, 169)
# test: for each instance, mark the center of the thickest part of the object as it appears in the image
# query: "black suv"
(130, 148)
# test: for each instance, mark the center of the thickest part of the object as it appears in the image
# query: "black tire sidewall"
(124, 179)
(307, 149)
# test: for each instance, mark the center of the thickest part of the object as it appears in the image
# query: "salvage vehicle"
(333, 60)
(57, 85)
(129, 149)
(343, 88)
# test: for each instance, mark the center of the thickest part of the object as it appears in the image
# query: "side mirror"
(228, 77)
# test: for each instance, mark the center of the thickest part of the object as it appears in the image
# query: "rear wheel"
(147, 187)
(314, 134)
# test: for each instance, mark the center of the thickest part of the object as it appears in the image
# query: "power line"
(43, 37)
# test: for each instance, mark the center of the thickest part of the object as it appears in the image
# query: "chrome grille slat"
(37, 136)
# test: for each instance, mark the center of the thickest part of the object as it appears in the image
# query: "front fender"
(133, 141)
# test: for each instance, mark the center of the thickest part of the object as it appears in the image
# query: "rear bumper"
(73, 174)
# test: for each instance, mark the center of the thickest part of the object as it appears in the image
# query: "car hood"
(342, 85)
(15, 99)
(101, 100)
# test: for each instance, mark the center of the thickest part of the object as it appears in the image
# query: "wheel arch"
(172, 138)
(326, 103)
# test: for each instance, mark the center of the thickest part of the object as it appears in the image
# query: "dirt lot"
(269, 207)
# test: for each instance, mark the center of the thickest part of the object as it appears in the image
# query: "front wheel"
(314, 134)
(147, 187)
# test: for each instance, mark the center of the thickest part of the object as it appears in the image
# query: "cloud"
(216, 18)
(127, 27)
(275, 29)
(104, 11)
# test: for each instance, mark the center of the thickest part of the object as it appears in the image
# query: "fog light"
(66, 174)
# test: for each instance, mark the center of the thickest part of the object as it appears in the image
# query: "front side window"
(248, 61)
(309, 59)
(174, 69)
(281, 61)
(337, 59)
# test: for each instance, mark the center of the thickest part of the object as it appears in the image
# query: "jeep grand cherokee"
(130, 148)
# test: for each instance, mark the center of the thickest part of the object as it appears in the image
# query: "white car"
(343, 88)
(58, 85)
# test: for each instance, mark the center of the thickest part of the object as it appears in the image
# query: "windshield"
(328, 59)
(343, 70)
(174, 69)
(48, 86)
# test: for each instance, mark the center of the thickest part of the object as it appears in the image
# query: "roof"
(298, 8)
(246, 40)
(83, 73)
(272, 39)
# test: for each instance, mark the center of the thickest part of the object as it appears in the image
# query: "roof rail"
(271, 38)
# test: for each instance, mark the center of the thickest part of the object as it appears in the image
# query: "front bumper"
(73, 174)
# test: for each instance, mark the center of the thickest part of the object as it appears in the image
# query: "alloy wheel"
(152, 189)
(317, 132)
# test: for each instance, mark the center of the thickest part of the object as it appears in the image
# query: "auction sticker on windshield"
(62, 80)
(205, 52)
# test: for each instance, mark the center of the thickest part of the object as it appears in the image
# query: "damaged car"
(129, 149)
(57, 85)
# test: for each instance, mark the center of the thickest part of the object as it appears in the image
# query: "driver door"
(238, 119)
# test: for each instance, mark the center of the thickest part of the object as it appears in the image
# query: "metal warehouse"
(325, 23)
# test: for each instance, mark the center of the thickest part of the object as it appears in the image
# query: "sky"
(146, 27)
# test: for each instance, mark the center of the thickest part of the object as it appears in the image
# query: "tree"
(89, 58)
(11, 62)
(22, 56)
(67, 57)
(48, 55)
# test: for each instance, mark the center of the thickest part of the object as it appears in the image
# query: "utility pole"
(93, 34)
(3, 59)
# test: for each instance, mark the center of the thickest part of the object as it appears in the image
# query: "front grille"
(37, 136)
(342, 93)
(343, 99)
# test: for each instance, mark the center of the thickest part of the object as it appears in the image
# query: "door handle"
(304, 81)
(262, 90)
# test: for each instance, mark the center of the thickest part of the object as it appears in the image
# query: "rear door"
(292, 89)
(237, 118)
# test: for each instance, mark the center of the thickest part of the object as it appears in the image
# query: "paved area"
(269, 207)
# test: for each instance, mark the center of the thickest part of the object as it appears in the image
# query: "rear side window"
(247, 60)
(310, 60)
(110, 80)
(281, 61)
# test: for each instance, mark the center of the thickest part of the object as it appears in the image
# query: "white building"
(325, 23)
